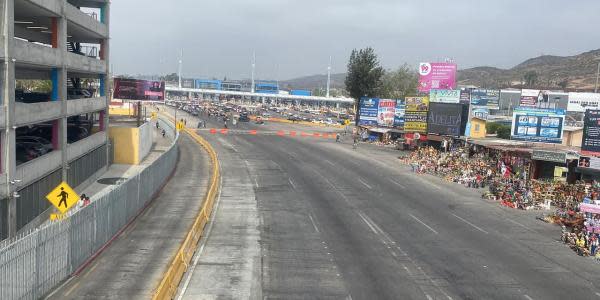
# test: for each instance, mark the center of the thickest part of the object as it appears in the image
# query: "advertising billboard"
(399, 113)
(415, 116)
(590, 142)
(367, 111)
(134, 89)
(386, 112)
(532, 98)
(445, 119)
(465, 96)
(579, 102)
(487, 98)
(444, 96)
(436, 76)
(538, 125)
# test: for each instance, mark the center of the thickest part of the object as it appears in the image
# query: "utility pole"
(597, 73)
(328, 76)
(253, 66)
(180, 62)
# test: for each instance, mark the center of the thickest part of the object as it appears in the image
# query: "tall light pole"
(328, 76)
(180, 62)
(597, 73)
(253, 66)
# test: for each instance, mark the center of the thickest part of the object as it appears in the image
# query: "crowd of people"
(454, 165)
(507, 182)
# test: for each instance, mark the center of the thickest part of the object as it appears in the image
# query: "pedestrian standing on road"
(157, 126)
(163, 133)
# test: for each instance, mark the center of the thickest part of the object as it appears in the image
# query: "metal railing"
(33, 265)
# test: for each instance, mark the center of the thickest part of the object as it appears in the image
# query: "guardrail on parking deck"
(179, 264)
(32, 266)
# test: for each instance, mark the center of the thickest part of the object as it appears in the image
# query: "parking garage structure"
(58, 134)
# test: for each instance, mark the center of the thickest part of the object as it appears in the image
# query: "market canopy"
(589, 208)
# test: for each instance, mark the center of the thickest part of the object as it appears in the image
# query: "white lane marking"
(375, 228)
(527, 297)
(423, 223)
(368, 224)
(397, 183)
(597, 294)
(292, 183)
(474, 226)
(364, 183)
(255, 182)
(72, 289)
(327, 161)
(332, 186)
(515, 222)
(90, 270)
(407, 270)
(313, 223)
(198, 253)
(428, 297)
(59, 288)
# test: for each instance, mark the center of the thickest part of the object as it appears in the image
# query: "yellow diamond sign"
(63, 197)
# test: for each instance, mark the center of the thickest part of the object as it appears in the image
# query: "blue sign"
(400, 112)
(538, 125)
(368, 111)
(488, 98)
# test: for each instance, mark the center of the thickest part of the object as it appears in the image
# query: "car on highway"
(244, 117)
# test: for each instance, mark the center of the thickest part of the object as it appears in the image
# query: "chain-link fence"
(31, 266)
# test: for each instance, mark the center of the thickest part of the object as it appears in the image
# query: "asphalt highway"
(333, 222)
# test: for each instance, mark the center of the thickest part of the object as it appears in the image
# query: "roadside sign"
(153, 115)
(63, 197)
(56, 217)
(347, 122)
(180, 126)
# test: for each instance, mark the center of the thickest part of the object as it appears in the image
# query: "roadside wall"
(145, 140)
(126, 142)
(35, 264)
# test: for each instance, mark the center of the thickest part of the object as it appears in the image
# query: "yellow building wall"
(118, 111)
(478, 130)
(572, 138)
(126, 144)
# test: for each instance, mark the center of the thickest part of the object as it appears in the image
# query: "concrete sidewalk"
(121, 171)
(134, 263)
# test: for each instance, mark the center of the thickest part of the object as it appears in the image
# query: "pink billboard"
(439, 76)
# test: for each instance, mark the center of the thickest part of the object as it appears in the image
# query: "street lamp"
(597, 73)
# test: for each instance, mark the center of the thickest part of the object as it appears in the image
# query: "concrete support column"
(106, 88)
(59, 91)
(8, 101)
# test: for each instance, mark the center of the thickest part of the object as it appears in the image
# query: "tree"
(399, 83)
(364, 75)
(563, 84)
(170, 77)
(530, 78)
(503, 132)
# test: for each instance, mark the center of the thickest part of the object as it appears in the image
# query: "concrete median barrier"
(180, 262)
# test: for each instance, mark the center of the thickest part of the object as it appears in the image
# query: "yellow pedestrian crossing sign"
(180, 126)
(63, 197)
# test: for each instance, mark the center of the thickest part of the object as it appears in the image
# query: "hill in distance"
(572, 73)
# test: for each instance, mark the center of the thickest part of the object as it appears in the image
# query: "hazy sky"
(296, 37)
